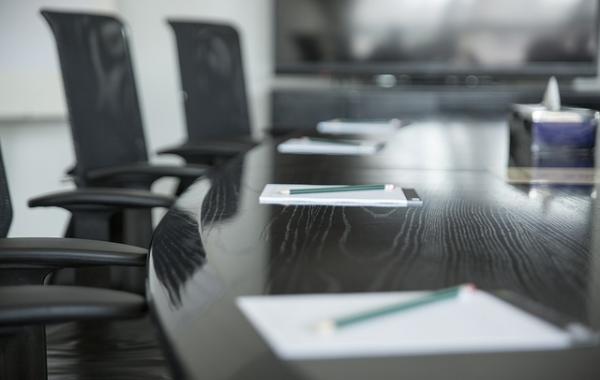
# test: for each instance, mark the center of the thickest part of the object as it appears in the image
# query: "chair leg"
(23, 353)
(137, 229)
(133, 228)
(91, 225)
(23, 349)
(137, 226)
(99, 226)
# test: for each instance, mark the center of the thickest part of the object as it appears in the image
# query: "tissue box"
(564, 138)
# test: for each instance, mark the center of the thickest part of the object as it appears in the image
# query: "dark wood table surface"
(218, 243)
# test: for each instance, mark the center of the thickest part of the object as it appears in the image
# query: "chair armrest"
(102, 198)
(70, 253)
(211, 148)
(32, 304)
(143, 173)
(185, 151)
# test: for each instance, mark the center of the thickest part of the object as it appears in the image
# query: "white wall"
(36, 155)
(35, 137)
(36, 141)
(30, 82)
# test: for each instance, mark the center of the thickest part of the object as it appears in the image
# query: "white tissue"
(552, 96)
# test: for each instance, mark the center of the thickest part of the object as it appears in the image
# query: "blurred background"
(305, 61)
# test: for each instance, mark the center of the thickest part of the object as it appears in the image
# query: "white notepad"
(308, 146)
(359, 127)
(272, 194)
(481, 322)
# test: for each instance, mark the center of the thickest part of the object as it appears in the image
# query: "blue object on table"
(574, 135)
(542, 138)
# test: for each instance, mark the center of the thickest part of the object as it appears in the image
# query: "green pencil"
(337, 189)
(330, 325)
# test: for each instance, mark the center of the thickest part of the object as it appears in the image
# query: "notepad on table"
(477, 323)
(358, 126)
(307, 145)
(396, 197)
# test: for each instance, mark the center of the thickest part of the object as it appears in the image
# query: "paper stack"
(478, 323)
(359, 127)
(306, 145)
(278, 194)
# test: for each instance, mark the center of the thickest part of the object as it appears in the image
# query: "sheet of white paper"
(377, 198)
(358, 127)
(479, 322)
(307, 146)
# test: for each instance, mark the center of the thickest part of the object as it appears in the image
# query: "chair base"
(23, 353)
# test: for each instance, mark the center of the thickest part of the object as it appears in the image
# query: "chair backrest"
(5, 204)
(212, 79)
(100, 89)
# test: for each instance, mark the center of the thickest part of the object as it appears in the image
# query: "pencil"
(331, 325)
(337, 189)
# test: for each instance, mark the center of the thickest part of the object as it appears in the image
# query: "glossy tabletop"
(218, 243)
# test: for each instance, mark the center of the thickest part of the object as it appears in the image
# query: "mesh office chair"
(26, 305)
(214, 92)
(105, 118)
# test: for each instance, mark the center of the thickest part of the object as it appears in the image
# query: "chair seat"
(212, 149)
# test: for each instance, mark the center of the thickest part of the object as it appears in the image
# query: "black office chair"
(214, 93)
(92, 210)
(105, 118)
(26, 305)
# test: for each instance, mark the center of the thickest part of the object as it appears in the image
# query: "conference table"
(218, 243)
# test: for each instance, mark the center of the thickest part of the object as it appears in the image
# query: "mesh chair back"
(212, 79)
(100, 90)
(5, 204)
